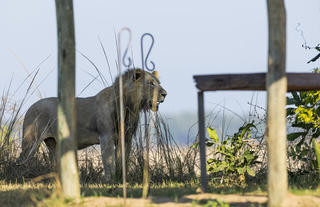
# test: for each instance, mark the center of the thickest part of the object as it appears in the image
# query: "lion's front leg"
(118, 160)
(118, 153)
(108, 157)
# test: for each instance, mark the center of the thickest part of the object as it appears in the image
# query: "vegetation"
(232, 158)
(304, 114)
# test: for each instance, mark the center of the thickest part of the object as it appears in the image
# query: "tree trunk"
(68, 168)
(276, 109)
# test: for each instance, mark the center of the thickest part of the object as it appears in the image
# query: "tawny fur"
(97, 119)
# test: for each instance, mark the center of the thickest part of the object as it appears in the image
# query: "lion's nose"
(163, 93)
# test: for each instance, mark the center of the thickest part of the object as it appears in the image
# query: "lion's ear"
(156, 74)
(137, 74)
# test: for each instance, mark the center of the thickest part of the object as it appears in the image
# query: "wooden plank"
(255, 81)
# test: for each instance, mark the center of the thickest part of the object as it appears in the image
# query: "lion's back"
(41, 113)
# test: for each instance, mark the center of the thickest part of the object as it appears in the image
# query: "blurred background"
(191, 37)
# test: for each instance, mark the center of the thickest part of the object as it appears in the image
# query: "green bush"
(232, 158)
(304, 112)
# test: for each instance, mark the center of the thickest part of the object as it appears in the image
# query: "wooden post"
(276, 108)
(146, 178)
(202, 144)
(66, 100)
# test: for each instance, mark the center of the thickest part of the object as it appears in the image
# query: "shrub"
(304, 114)
(232, 158)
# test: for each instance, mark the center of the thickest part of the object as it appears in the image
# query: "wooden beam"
(255, 81)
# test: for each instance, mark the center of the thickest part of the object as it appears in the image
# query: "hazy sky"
(191, 37)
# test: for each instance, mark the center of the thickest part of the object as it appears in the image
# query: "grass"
(135, 191)
(310, 192)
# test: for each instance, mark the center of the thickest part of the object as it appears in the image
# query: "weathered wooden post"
(276, 109)
(66, 100)
(202, 144)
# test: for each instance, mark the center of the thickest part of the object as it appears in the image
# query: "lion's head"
(142, 90)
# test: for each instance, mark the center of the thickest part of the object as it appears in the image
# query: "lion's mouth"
(156, 107)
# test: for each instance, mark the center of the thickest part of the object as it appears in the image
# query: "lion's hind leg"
(108, 157)
(34, 132)
(52, 145)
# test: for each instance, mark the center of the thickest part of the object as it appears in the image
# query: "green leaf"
(291, 101)
(241, 159)
(298, 148)
(296, 98)
(248, 156)
(222, 204)
(314, 58)
(210, 168)
(304, 152)
(294, 136)
(213, 134)
(241, 170)
(210, 161)
(195, 145)
(224, 164)
(222, 149)
(246, 128)
(301, 142)
(251, 172)
(290, 111)
(303, 95)
(209, 144)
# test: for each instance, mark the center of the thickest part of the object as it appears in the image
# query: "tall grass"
(168, 161)
(11, 120)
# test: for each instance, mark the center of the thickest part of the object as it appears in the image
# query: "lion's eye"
(152, 83)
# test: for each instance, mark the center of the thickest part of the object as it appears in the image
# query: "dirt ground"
(166, 196)
(201, 199)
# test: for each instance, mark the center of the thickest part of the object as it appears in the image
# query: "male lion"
(97, 119)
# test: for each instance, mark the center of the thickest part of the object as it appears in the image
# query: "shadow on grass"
(23, 197)
(174, 190)
(178, 193)
(136, 191)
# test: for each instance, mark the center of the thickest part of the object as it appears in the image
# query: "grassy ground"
(173, 194)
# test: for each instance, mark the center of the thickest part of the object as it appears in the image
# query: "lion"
(97, 119)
